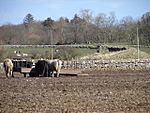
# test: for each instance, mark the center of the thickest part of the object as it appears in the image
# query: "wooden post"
(52, 55)
(138, 46)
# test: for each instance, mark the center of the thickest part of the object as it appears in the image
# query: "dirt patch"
(120, 93)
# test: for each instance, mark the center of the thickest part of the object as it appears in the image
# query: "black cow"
(46, 68)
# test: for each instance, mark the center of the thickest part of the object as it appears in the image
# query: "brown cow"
(8, 67)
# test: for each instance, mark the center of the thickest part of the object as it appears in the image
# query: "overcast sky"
(13, 11)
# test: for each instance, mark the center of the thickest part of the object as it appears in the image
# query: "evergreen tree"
(28, 19)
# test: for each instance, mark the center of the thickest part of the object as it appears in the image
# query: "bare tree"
(144, 28)
(129, 27)
(76, 23)
(61, 28)
(101, 24)
(87, 16)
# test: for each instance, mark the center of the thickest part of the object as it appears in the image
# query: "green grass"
(130, 53)
(84, 52)
(34, 52)
(64, 53)
(145, 49)
(27, 50)
(69, 53)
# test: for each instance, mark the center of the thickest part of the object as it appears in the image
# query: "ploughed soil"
(97, 93)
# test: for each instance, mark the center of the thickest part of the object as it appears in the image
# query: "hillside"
(77, 30)
(130, 53)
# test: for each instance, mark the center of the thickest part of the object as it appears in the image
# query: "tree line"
(83, 28)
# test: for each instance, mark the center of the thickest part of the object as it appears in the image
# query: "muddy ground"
(98, 93)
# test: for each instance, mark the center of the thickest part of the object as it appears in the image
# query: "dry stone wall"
(107, 64)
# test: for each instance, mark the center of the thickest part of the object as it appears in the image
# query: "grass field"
(69, 53)
(64, 53)
(146, 49)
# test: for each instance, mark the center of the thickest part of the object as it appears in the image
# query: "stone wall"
(107, 64)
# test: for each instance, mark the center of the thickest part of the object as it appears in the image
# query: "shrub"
(35, 55)
(66, 53)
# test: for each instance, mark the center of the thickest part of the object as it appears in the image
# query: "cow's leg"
(12, 74)
(6, 71)
(7, 74)
(49, 73)
(52, 73)
(57, 73)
